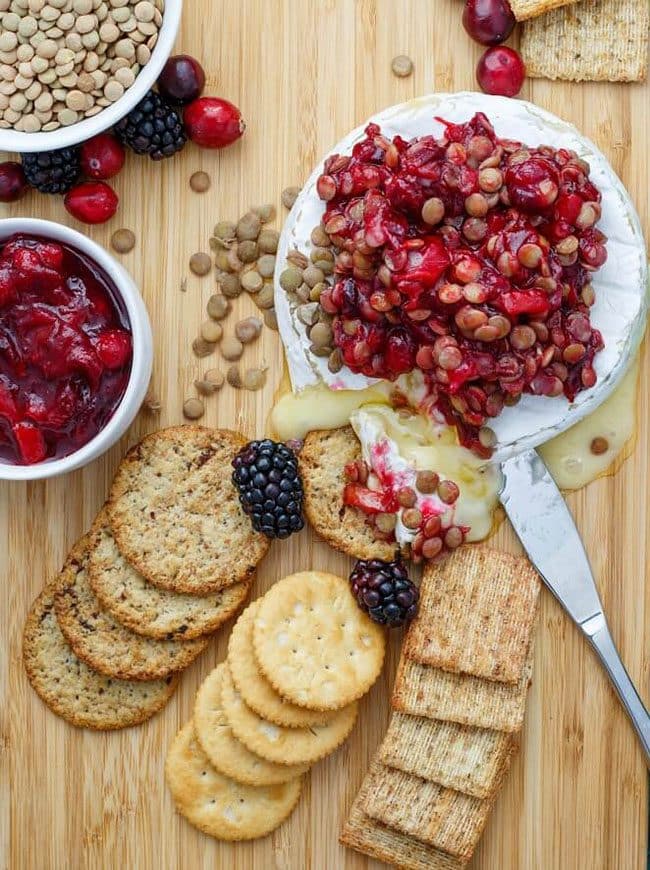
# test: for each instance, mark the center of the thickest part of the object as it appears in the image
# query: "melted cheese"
(569, 456)
(407, 443)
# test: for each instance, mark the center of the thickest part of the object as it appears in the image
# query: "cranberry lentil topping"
(468, 257)
(65, 350)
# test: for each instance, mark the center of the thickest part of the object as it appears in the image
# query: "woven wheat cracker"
(322, 459)
(227, 754)
(459, 757)
(313, 643)
(370, 837)
(217, 805)
(476, 613)
(435, 694)
(284, 745)
(445, 819)
(594, 40)
(524, 9)
(255, 689)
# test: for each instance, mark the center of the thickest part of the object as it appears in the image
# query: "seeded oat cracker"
(175, 514)
(101, 642)
(595, 40)
(322, 460)
(74, 691)
(153, 612)
(217, 805)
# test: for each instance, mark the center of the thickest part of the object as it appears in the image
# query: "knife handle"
(599, 637)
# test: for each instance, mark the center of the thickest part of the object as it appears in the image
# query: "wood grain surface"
(304, 72)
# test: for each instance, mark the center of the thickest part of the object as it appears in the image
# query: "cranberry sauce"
(65, 350)
(470, 258)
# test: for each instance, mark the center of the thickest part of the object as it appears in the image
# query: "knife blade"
(545, 527)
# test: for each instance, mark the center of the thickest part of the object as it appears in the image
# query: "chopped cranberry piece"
(31, 443)
(114, 348)
(368, 500)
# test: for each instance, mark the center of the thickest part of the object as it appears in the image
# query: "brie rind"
(621, 284)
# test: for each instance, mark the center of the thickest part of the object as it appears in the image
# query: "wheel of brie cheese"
(620, 283)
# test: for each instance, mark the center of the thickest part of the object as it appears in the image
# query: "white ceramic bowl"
(142, 351)
(12, 140)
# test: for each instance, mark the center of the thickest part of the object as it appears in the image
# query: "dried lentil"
(200, 182)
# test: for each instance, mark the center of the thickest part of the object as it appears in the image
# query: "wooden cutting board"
(304, 72)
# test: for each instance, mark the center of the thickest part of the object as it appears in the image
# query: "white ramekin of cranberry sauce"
(75, 350)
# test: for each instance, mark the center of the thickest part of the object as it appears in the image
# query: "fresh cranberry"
(501, 71)
(102, 157)
(92, 202)
(182, 79)
(65, 350)
(13, 184)
(211, 122)
(488, 21)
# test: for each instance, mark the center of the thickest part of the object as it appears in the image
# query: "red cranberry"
(211, 122)
(501, 71)
(182, 79)
(114, 348)
(13, 185)
(92, 202)
(102, 157)
(488, 21)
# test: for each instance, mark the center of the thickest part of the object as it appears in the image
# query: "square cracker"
(376, 840)
(460, 757)
(596, 40)
(476, 614)
(524, 9)
(447, 820)
(435, 694)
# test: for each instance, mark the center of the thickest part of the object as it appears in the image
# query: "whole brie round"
(620, 285)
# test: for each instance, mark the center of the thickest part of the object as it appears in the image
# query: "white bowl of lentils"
(70, 69)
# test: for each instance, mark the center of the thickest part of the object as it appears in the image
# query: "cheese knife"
(545, 527)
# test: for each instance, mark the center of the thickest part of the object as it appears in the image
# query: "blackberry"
(270, 489)
(154, 127)
(383, 590)
(52, 171)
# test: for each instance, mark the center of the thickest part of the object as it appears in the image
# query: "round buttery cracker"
(216, 804)
(255, 689)
(227, 754)
(175, 513)
(101, 642)
(314, 644)
(153, 612)
(284, 745)
(74, 691)
(322, 462)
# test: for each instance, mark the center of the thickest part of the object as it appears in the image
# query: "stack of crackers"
(459, 702)
(298, 660)
(168, 559)
(584, 40)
